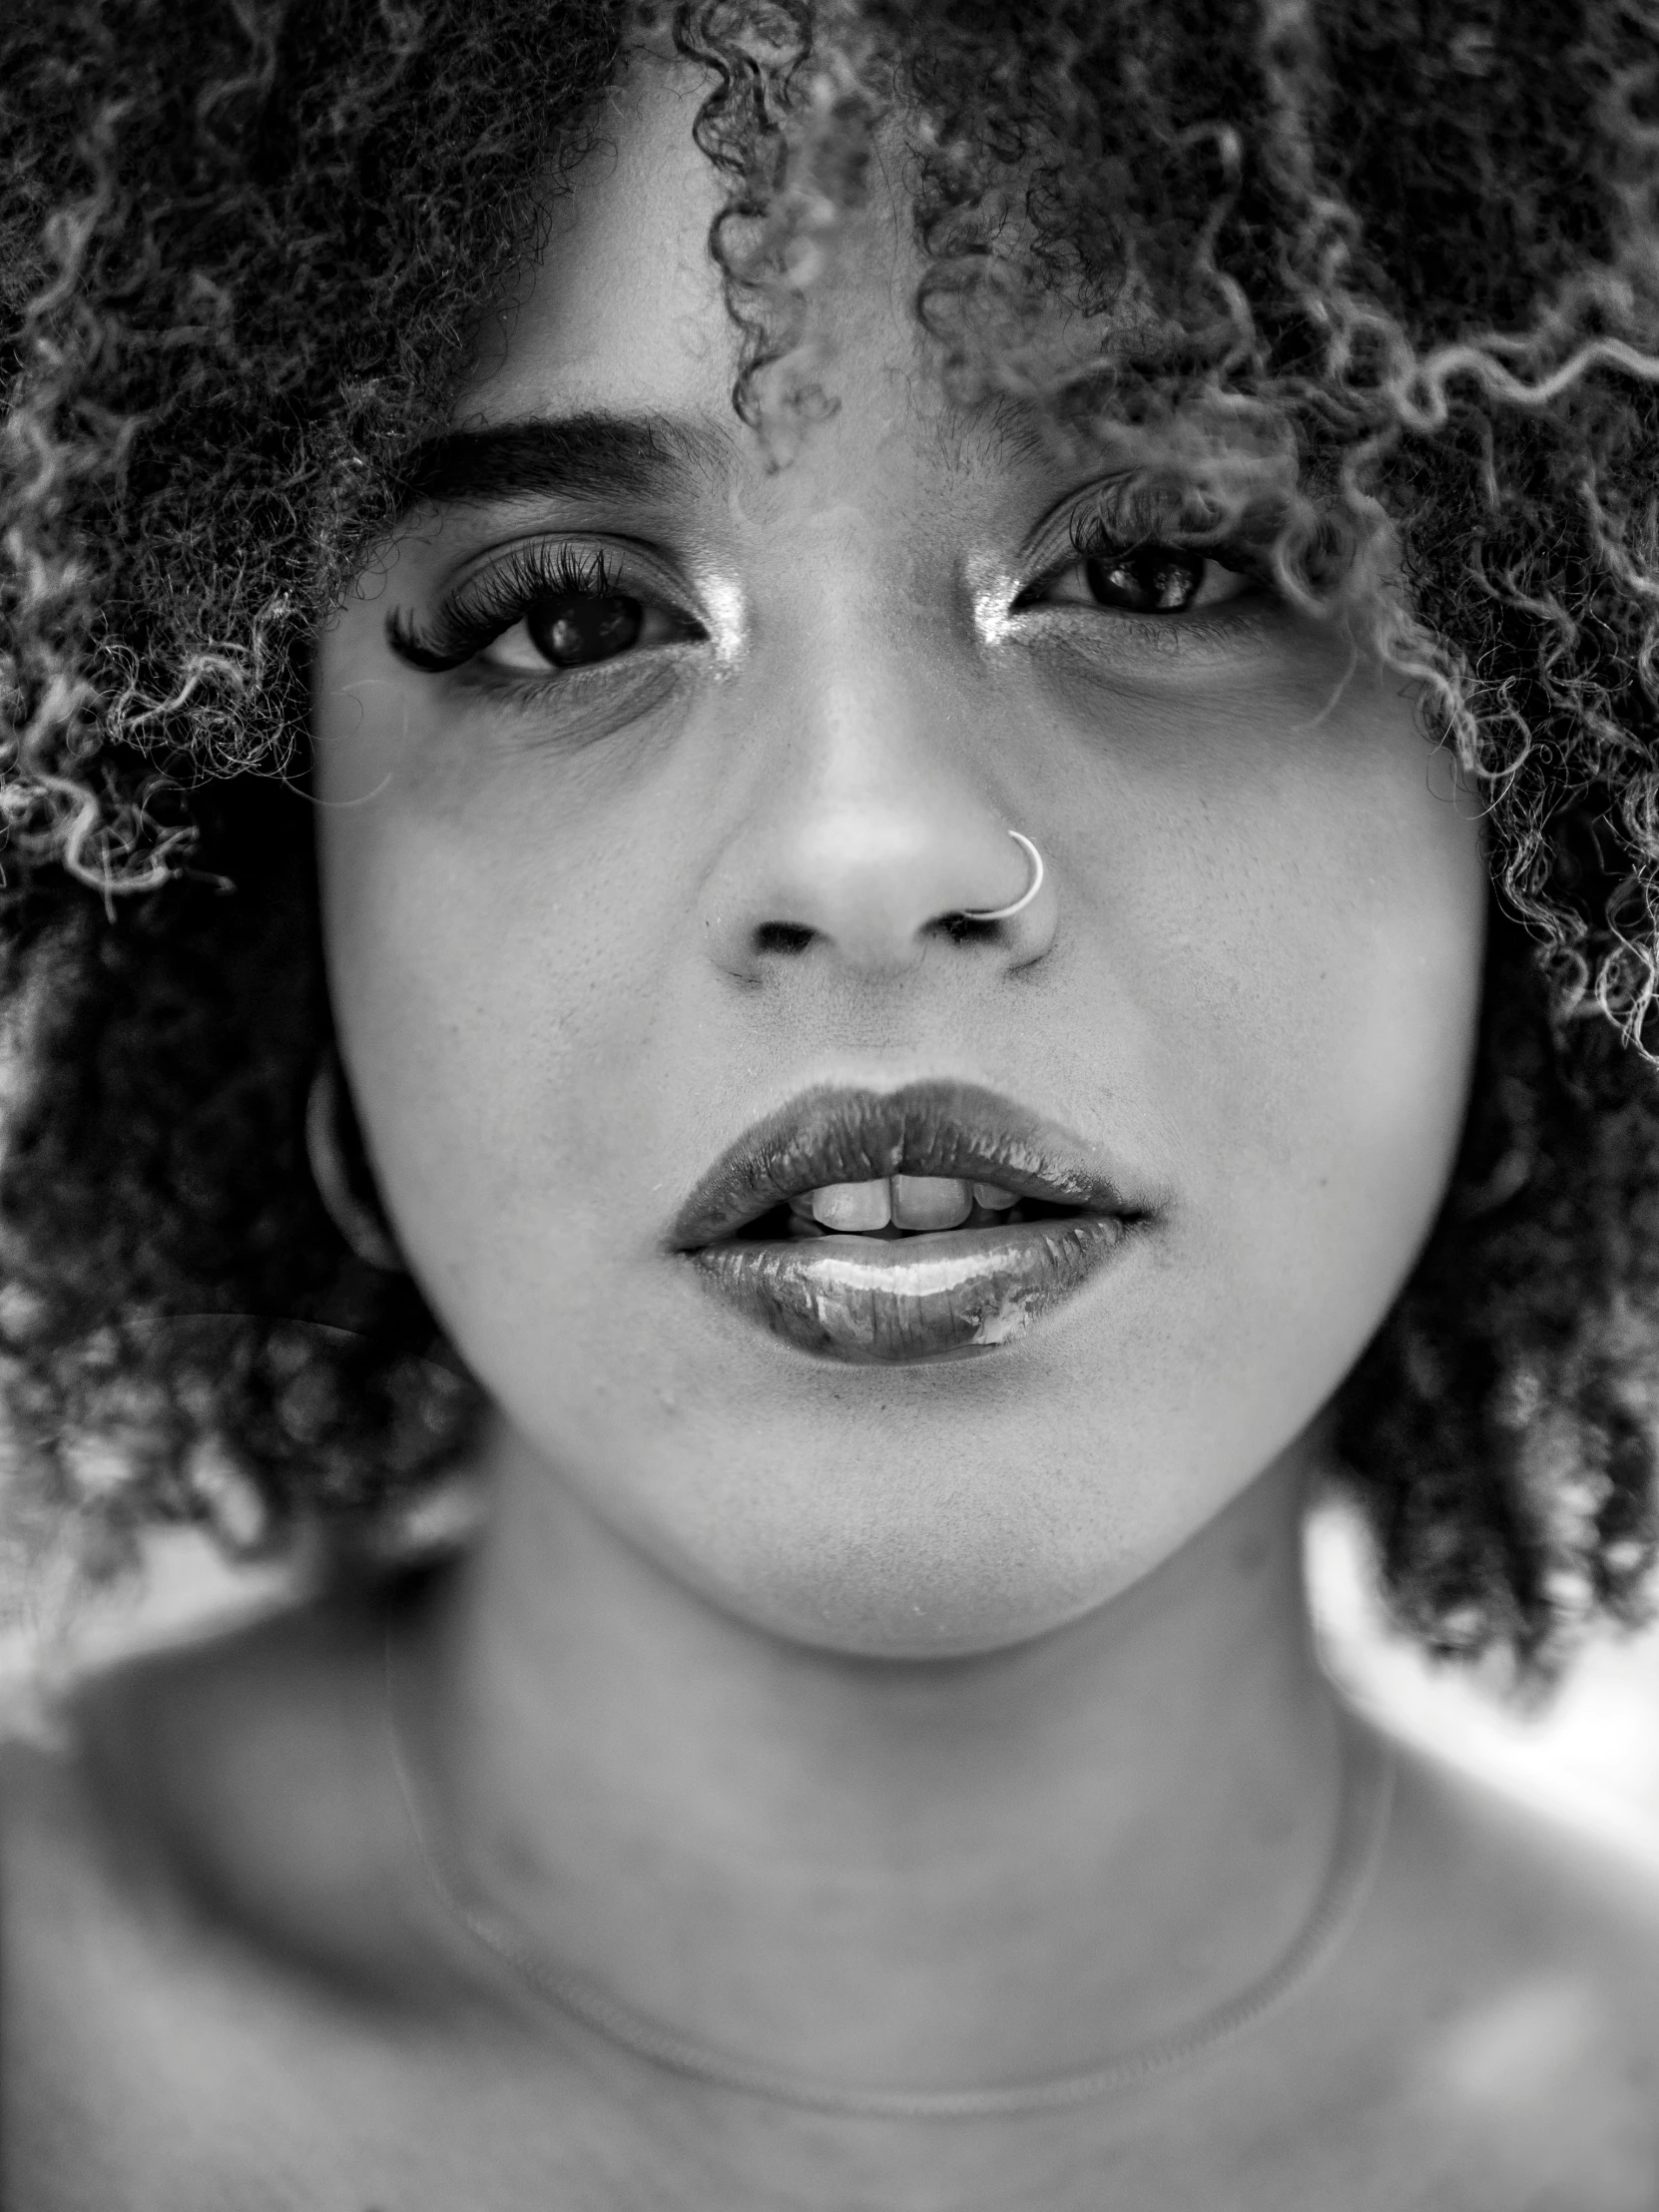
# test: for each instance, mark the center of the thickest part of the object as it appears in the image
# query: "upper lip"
(833, 1134)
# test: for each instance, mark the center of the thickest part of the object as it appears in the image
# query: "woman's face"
(680, 847)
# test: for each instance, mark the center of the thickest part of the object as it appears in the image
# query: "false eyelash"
(1121, 521)
(477, 614)
(1094, 539)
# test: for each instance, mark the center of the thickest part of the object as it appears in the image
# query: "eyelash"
(479, 613)
(1093, 539)
(476, 616)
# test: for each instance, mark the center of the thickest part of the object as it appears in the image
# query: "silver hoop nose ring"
(1007, 913)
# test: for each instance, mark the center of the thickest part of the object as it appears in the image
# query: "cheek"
(1267, 986)
(1332, 972)
(495, 964)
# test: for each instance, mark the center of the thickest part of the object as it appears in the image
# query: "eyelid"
(1082, 531)
(1127, 513)
(617, 551)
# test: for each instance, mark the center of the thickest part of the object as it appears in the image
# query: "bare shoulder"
(124, 1798)
(1500, 1878)
(1510, 1965)
(221, 1778)
(193, 1905)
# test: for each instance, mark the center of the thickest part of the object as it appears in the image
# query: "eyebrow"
(588, 456)
(1018, 427)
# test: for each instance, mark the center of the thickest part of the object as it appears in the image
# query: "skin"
(556, 1007)
(936, 1724)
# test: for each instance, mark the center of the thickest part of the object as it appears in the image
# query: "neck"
(928, 1872)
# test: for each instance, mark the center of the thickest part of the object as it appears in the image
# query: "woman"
(859, 801)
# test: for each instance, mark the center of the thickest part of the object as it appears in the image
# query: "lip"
(922, 1297)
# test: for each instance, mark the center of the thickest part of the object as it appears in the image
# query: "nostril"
(962, 928)
(782, 936)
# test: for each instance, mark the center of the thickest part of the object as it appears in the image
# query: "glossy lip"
(837, 1135)
(915, 1297)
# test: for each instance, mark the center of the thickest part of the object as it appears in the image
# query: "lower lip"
(914, 1297)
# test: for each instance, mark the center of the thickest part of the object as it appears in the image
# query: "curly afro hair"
(1396, 265)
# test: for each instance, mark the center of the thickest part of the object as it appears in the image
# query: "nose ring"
(1006, 913)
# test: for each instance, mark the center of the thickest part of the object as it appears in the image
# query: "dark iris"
(1155, 580)
(576, 628)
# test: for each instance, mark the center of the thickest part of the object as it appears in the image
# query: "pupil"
(575, 628)
(1153, 579)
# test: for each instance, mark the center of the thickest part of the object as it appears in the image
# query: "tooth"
(852, 1205)
(993, 1198)
(929, 1202)
(801, 1204)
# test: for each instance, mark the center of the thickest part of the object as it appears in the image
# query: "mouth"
(901, 1225)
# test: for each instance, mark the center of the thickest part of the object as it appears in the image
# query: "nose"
(878, 832)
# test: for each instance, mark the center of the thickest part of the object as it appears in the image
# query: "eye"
(545, 609)
(1143, 580)
(1161, 579)
(571, 629)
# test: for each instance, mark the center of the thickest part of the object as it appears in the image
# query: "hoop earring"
(358, 1219)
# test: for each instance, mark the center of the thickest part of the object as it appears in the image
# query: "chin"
(913, 1569)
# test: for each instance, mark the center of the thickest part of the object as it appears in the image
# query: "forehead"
(623, 319)
(624, 314)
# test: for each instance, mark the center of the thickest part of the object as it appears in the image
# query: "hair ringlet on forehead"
(1377, 290)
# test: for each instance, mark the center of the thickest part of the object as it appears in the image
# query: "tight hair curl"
(1384, 279)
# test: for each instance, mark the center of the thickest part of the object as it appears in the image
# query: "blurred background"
(1589, 1752)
